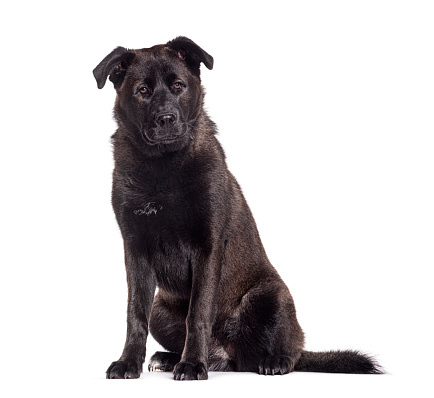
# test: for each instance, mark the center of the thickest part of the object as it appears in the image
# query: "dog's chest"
(160, 215)
(159, 198)
(164, 205)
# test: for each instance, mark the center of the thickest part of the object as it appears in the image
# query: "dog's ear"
(114, 65)
(191, 53)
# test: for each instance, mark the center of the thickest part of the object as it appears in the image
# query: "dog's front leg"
(141, 289)
(194, 359)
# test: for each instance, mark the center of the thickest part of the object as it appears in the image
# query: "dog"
(187, 229)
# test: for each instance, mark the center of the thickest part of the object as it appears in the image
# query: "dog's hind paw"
(276, 365)
(163, 361)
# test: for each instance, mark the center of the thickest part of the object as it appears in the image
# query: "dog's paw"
(123, 370)
(190, 371)
(276, 365)
(163, 361)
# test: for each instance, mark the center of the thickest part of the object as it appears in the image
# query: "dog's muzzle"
(167, 129)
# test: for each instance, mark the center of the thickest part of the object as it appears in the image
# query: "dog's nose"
(166, 119)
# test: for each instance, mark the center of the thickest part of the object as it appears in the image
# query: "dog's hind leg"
(265, 335)
(167, 322)
(167, 326)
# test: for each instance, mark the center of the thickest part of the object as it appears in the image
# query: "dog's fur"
(188, 230)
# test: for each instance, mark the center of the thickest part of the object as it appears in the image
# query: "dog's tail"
(347, 361)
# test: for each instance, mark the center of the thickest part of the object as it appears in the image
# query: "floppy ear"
(114, 65)
(191, 53)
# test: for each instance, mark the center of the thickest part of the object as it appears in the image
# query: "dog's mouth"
(153, 139)
(165, 141)
(163, 137)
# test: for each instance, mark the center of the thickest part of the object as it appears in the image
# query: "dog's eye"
(143, 90)
(177, 85)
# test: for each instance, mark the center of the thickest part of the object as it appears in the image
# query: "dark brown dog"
(188, 230)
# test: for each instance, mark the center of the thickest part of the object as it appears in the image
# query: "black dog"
(188, 230)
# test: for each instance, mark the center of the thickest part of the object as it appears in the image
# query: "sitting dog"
(188, 230)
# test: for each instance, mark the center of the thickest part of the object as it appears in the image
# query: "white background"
(325, 110)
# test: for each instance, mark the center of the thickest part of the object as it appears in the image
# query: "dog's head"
(159, 95)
